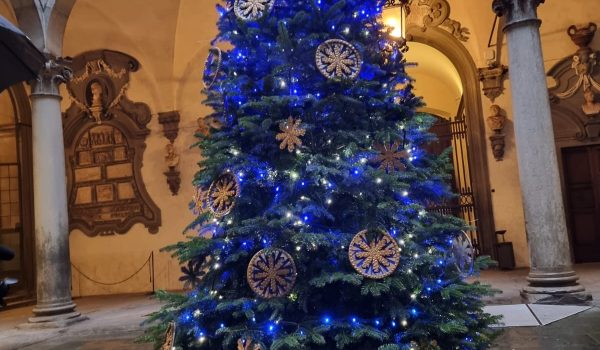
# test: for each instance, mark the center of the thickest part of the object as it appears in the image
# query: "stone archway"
(451, 47)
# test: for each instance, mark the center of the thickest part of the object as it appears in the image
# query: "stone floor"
(115, 321)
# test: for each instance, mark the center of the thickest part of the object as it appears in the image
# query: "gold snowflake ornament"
(374, 254)
(222, 194)
(390, 157)
(290, 134)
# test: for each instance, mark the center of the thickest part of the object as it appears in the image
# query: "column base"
(57, 321)
(57, 315)
(569, 295)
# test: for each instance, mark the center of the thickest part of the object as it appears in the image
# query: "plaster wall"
(170, 39)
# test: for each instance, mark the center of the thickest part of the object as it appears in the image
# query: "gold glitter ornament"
(374, 254)
(222, 193)
(271, 273)
(169, 343)
(390, 157)
(246, 344)
(290, 134)
(200, 200)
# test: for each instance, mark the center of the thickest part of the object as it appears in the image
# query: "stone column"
(55, 307)
(551, 276)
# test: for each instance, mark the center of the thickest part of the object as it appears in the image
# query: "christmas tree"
(314, 195)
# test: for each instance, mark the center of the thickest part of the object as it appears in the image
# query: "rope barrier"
(150, 257)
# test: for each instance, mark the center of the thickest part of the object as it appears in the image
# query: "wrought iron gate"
(453, 133)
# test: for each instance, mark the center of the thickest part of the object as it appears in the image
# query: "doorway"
(582, 192)
(16, 193)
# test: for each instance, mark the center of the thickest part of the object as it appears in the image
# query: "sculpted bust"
(590, 107)
(172, 159)
(496, 120)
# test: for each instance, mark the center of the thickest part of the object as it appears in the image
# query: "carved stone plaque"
(105, 140)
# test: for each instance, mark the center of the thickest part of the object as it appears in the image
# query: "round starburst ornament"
(338, 59)
(390, 157)
(222, 193)
(463, 254)
(291, 131)
(374, 254)
(212, 67)
(271, 273)
(252, 10)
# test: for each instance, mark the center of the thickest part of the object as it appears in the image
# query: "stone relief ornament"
(105, 137)
(496, 122)
(584, 62)
(338, 59)
(492, 78)
(98, 87)
(252, 10)
(54, 72)
(575, 108)
(374, 254)
(590, 106)
(172, 174)
(271, 273)
(463, 254)
(436, 13)
(222, 193)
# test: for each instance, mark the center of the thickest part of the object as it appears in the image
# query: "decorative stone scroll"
(576, 103)
(105, 137)
(434, 13)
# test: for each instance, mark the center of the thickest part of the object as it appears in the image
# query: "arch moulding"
(450, 46)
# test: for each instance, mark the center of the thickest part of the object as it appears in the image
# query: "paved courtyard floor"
(115, 321)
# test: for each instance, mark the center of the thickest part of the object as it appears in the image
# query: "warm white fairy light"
(405, 193)
(216, 266)
(402, 242)
(294, 175)
(364, 160)
(378, 180)
(413, 296)
(288, 214)
(404, 323)
(298, 248)
(329, 201)
(416, 256)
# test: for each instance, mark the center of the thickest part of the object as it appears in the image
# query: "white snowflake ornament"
(252, 10)
(338, 59)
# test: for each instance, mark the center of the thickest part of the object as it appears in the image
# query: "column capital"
(54, 72)
(517, 11)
